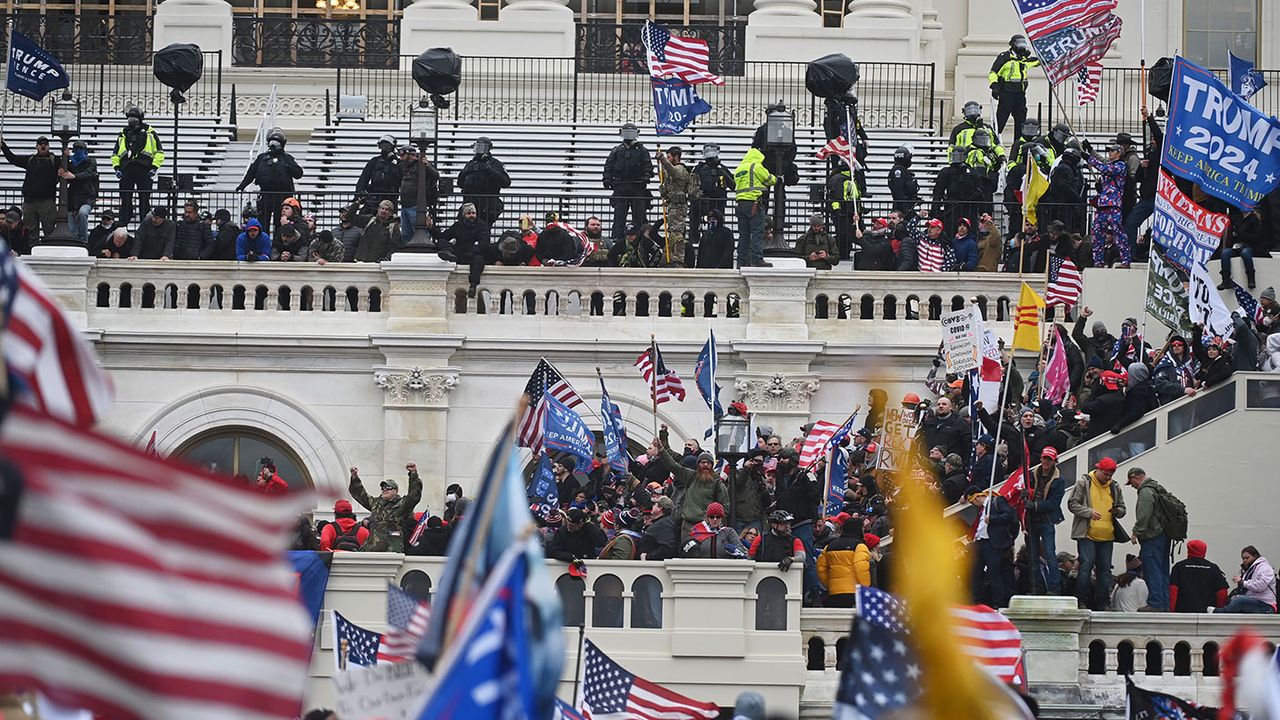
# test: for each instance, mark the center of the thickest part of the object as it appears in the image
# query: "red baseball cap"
(1106, 464)
(934, 223)
(1049, 452)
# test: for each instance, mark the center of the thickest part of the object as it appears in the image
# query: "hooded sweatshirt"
(1271, 359)
(247, 248)
(1195, 583)
(1140, 398)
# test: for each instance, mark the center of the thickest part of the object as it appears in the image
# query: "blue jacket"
(1048, 509)
(1002, 523)
(260, 249)
(966, 249)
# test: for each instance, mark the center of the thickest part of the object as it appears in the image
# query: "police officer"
(1059, 136)
(274, 172)
(962, 133)
(751, 183)
(627, 173)
(679, 186)
(715, 181)
(1008, 78)
(902, 181)
(844, 194)
(137, 159)
(1064, 199)
(957, 190)
(482, 179)
(381, 177)
(1029, 144)
(987, 159)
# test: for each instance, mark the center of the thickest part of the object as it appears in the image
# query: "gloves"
(785, 563)
(937, 361)
(1088, 146)
(995, 91)
(119, 174)
(240, 188)
(152, 174)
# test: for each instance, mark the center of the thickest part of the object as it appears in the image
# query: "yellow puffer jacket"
(844, 565)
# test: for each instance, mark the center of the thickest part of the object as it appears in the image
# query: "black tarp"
(179, 65)
(831, 75)
(1159, 78)
(438, 71)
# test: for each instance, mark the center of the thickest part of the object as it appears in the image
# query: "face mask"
(134, 122)
(79, 156)
(450, 498)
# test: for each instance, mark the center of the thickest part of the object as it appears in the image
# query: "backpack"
(1172, 514)
(604, 554)
(346, 540)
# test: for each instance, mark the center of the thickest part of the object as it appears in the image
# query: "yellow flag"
(1034, 183)
(1026, 320)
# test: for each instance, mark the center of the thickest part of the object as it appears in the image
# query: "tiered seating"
(201, 147)
(559, 165)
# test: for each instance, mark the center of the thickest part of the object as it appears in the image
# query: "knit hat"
(816, 219)
(1132, 563)
(1268, 294)
(706, 457)
(342, 507)
(608, 519)
(1106, 464)
(576, 515)
(1196, 548)
(568, 462)
(715, 509)
(871, 540)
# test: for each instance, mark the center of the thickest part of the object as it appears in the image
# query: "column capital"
(777, 393)
(416, 387)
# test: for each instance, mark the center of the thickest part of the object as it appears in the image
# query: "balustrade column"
(785, 12)
(862, 10)
(1051, 629)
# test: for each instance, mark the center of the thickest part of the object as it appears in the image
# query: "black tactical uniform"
(627, 173)
(274, 172)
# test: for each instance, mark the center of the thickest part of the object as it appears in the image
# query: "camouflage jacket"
(387, 518)
(679, 184)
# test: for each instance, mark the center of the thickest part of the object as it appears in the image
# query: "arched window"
(646, 602)
(417, 584)
(571, 597)
(237, 450)
(606, 605)
(771, 604)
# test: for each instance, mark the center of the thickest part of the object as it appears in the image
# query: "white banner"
(381, 692)
(1206, 306)
(960, 341)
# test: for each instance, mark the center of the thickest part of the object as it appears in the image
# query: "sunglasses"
(715, 517)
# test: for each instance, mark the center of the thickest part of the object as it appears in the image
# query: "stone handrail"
(882, 295)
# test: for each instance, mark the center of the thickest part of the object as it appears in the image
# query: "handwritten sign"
(381, 692)
(960, 341)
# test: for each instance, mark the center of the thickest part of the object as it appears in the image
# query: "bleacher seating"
(201, 147)
(559, 165)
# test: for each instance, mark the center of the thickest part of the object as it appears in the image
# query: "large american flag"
(1065, 283)
(353, 646)
(838, 146)
(822, 437)
(1247, 303)
(664, 384)
(935, 256)
(143, 589)
(1087, 82)
(53, 363)
(1069, 34)
(544, 377)
(674, 56)
(611, 693)
(406, 624)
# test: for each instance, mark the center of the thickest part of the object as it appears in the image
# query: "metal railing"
(523, 89)
(606, 48)
(75, 37)
(105, 86)
(315, 42)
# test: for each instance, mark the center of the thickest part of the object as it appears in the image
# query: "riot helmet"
(629, 132)
(958, 155)
(1060, 133)
(972, 111)
(982, 139)
(133, 115)
(276, 139)
(1030, 128)
(483, 146)
(1020, 45)
(387, 144)
(902, 156)
(711, 151)
(1071, 156)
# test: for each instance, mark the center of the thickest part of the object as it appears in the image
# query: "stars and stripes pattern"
(1065, 283)
(664, 384)
(992, 641)
(1088, 81)
(839, 146)
(672, 56)
(353, 645)
(1070, 35)
(609, 692)
(546, 378)
(53, 364)
(935, 256)
(143, 589)
(822, 437)
(1248, 304)
(1045, 17)
(406, 624)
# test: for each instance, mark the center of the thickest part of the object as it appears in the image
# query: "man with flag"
(700, 485)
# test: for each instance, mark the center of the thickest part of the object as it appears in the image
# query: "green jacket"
(387, 518)
(811, 242)
(751, 178)
(1146, 524)
(691, 496)
(679, 184)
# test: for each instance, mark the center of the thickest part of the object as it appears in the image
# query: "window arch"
(771, 604)
(606, 605)
(237, 450)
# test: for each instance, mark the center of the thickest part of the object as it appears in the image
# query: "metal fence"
(105, 86)
(1119, 98)
(605, 48)
(315, 42)
(86, 35)
(895, 95)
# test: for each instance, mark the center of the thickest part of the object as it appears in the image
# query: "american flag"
(406, 624)
(611, 693)
(838, 146)
(1087, 82)
(675, 56)
(822, 437)
(544, 377)
(55, 366)
(663, 382)
(1248, 305)
(936, 257)
(882, 672)
(565, 711)
(353, 645)
(1065, 283)
(142, 589)
(1069, 34)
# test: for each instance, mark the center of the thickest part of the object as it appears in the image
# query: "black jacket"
(556, 246)
(83, 190)
(380, 178)
(409, 185)
(715, 248)
(876, 253)
(628, 169)
(483, 175)
(272, 172)
(98, 236)
(154, 241)
(716, 181)
(192, 240)
(1002, 523)
(224, 242)
(585, 544)
(41, 179)
(799, 495)
(469, 237)
(904, 187)
(951, 433)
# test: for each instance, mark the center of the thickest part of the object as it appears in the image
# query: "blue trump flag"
(564, 431)
(1218, 141)
(704, 376)
(33, 72)
(500, 521)
(675, 105)
(312, 571)
(1245, 80)
(615, 434)
(484, 675)
(544, 487)
(838, 478)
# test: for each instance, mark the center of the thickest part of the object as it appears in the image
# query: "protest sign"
(1205, 305)
(899, 434)
(1188, 233)
(1218, 140)
(960, 341)
(381, 692)
(1167, 292)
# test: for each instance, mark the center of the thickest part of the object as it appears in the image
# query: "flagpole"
(653, 378)
(577, 670)
(666, 231)
(711, 359)
(1004, 399)
(1142, 73)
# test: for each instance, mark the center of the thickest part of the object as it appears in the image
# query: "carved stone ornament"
(417, 386)
(776, 393)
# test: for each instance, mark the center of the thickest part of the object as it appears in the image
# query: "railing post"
(219, 83)
(102, 84)
(575, 88)
(337, 92)
(233, 120)
(933, 78)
